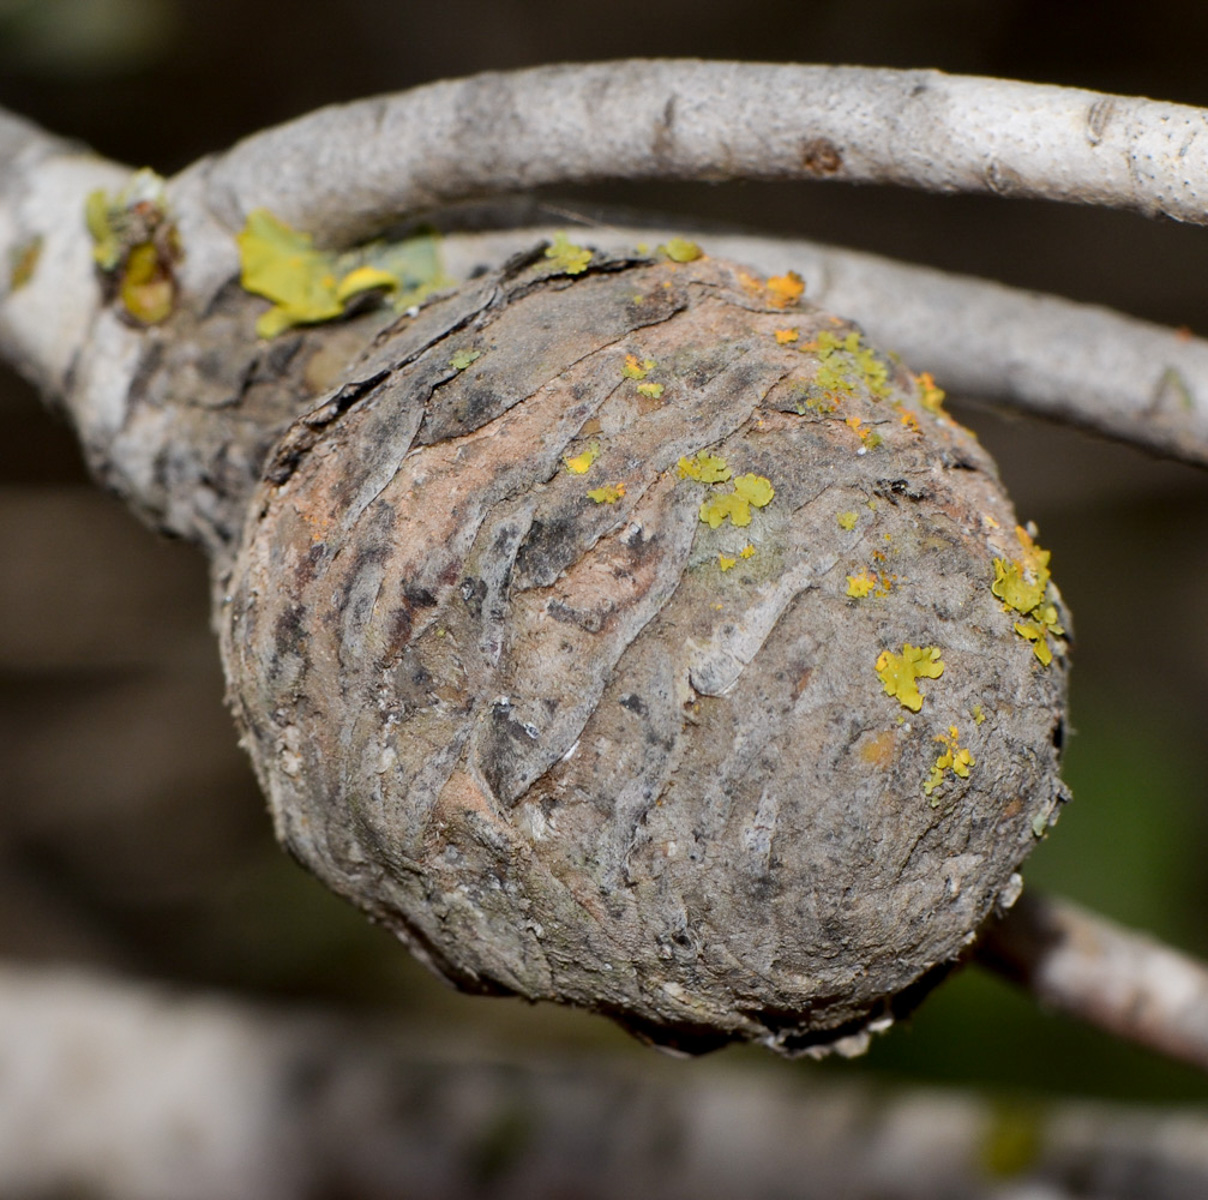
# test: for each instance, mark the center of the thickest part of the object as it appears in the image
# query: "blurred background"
(131, 833)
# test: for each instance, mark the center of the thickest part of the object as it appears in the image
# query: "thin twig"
(1127, 984)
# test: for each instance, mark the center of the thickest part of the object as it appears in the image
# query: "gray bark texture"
(599, 750)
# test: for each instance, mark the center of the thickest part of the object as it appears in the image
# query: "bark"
(131, 1092)
(597, 747)
(1130, 985)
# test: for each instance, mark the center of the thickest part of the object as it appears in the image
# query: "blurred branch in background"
(205, 1097)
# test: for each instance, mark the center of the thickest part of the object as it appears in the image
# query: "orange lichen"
(930, 396)
(785, 290)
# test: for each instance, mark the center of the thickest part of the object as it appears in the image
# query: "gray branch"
(345, 170)
(1127, 984)
(136, 1093)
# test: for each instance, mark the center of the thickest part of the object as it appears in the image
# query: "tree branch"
(48, 308)
(346, 170)
(1125, 983)
(135, 1093)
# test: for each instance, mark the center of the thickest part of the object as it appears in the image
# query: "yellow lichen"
(680, 250)
(869, 583)
(861, 585)
(1023, 586)
(721, 505)
(847, 520)
(930, 396)
(308, 285)
(978, 715)
(580, 464)
(724, 562)
(900, 672)
(566, 256)
(633, 369)
(755, 489)
(748, 551)
(786, 336)
(708, 468)
(954, 758)
(653, 390)
(909, 420)
(135, 242)
(610, 493)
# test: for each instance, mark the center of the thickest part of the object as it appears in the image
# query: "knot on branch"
(626, 635)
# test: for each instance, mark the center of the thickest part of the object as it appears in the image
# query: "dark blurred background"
(131, 833)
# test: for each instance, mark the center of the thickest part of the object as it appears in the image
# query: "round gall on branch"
(625, 632)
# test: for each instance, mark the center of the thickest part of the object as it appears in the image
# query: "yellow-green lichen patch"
(566, 257)
(136, 246)
(680, 250)
(610, 493)
(721, 505)
(705, 467)
(750, 491)
(847, 520)
(580, 464)
(844, 362)
(725, 562)
(978, 715)
(755, 489)
(1023, 586)
(23, 262)
(900, 672)
(308, 286)
(1037, 630)
(636, 368)
(748, 551)
(463, 358)
(651, 390)
(954, 758)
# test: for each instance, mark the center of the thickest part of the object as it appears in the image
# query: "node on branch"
(627, 633)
